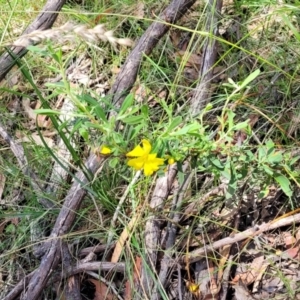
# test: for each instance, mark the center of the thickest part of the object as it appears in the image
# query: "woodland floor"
(149, 150)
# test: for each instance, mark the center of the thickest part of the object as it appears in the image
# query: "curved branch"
(146, 43)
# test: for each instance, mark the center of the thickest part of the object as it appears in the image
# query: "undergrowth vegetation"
(237, 159)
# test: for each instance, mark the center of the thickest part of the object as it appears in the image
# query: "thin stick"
(249, 233)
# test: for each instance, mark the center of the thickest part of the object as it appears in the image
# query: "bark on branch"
(203, 90)
(43, 21)
(64, 223)
(145, 45)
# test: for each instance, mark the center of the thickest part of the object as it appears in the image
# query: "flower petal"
(136, 152)
(137, 163)
(152, 164)
(171, 161)
(146, 146)
(105, 150)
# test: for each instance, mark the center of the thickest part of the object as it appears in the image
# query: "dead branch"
(249, 233)
(203, 90)
(72, 285)
(126, 78)
(171, 231)
(71, 271)
(122, 85)
(62, 226)
(43, 21)
(153, 232)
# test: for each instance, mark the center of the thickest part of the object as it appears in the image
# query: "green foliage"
(180, 138)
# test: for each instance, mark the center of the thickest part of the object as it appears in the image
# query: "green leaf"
(46, 111)
(96, 108)
(264, 192)
(113, 162)
(284, 183)
(128, 101)
(270, 144)
(37, 50)
(175, 122)
(57, 56)
(230, 117)
(292, 161)
(208, 107)
(191, 128)
(94, 125)
(136, 131)
(133, 120)
(250, 78)
(145, 111)
(216, 162)
(84, 133)
(241, 125)
(275, 157)
(268, 170)
(262, 154)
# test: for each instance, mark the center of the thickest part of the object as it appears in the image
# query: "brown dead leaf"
(136, 277)
(175, 36)
(251, 273)
(242, 292)
(214, 286)
(224, 253)
(115, 70)
(139, 10)
(27, 109)
(121, 241)
(190, 59)
(102, 291)
(291, 253)
(141, 93)
(15, 221)
(289, 239)
(259, 276)
(36, 138)
(253, 119)
(98, 18)
(42, 120)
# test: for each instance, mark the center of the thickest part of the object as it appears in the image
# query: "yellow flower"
(144, 160)
(105, 150)
(171, 160)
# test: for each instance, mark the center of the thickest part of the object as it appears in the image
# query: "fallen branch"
(63, 224)
(126, 78)
(203, 90)
(171, 231)
(71, 271)
(43, 21)
(153, 231)
(71, 288)
(249, 233)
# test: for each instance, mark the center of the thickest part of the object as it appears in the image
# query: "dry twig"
(203, 90)
(126, 78)
(240, 236)
(71, 271)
